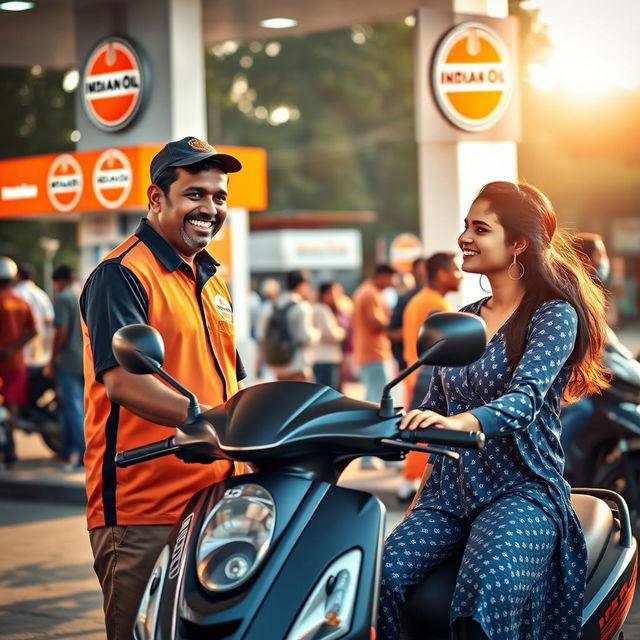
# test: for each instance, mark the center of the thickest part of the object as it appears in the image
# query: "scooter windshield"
(296, 418)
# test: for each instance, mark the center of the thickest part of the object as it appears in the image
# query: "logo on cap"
(113, 84)
(201, 145)
(471, 77)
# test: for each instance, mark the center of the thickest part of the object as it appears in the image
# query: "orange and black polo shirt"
(145, 281)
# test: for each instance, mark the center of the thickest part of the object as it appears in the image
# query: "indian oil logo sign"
(112, 178)
(112, 84)
(472, 77)
(64, 182)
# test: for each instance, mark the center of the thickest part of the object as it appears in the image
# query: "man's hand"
(417, 419)
(193, 458)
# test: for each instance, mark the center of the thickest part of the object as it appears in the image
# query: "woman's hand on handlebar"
(418, 419)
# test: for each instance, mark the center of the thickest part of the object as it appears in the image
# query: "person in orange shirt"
(164, 277)
(371, 346)
(443, 276)
(17, 327)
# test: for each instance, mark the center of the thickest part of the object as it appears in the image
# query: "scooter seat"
(596, 519)
(426, 613)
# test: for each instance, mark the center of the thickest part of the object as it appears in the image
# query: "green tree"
(37, 118)
(347, 98)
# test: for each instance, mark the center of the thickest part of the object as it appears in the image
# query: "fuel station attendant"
(164, 277)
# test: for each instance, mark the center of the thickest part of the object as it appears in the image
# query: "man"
(17, 327)
(66, 363)
(371, 346)
(394, 330)
(443, 276)
(296, 312)
(38, 351)
(161, 276)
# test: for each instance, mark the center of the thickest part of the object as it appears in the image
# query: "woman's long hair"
(553, 270)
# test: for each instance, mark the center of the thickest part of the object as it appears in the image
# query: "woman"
(327, 352)
(524, 564)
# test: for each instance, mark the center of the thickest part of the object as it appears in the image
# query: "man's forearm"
(146, 396)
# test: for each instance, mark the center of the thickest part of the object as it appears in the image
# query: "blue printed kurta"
(508, 504)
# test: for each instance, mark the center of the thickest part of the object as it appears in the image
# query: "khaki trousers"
(123, 560)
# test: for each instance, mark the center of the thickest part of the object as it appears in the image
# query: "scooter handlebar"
(147, 452)
(447, 437)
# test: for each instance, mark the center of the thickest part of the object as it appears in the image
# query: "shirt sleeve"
(112, 298)
(551, 340)
(436, 399)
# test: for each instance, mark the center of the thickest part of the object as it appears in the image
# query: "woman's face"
(483, 242)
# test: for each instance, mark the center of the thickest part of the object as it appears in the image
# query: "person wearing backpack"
(287, 334)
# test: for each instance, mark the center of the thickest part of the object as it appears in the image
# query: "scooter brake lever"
(423, 449)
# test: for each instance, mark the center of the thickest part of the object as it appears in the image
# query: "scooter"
(284, 553)
(606, 451)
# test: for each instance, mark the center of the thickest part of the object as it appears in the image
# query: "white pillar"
(452, 165)
(186, 51)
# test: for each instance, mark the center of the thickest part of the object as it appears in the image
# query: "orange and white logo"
(112, 84)
(112, 178)
(471, 76)
(223, 307)
(404, 249)
(64, 182)
(200, 145)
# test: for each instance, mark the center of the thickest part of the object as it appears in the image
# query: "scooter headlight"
(147, 618)
(328, 611)
(235, 537)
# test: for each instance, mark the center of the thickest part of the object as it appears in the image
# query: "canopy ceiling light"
(278, 23)
(16, 5)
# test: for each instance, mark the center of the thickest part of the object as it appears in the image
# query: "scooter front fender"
(315, 523)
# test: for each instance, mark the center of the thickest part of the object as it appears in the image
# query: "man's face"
(451, 277)
(193, 212)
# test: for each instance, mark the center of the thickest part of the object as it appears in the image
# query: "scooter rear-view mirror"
(445, 339)
(138, 348)
(451, 339)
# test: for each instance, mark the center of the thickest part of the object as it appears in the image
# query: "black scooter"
(284, 553)
(606, 450)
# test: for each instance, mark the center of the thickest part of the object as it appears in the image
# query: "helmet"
(8, 268)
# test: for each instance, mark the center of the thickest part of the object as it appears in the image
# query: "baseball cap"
(190, 150)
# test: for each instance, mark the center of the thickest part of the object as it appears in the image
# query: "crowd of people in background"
(320, 334)
(40, 350)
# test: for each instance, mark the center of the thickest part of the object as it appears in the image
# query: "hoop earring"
(482, 275)
(516, 264)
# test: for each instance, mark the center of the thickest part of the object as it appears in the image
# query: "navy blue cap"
(190, 150)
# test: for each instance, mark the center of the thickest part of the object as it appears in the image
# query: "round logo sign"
(112, 84)
(404, 249)
(64, 182)
(112, 178)
(223, 307)
(472, 77)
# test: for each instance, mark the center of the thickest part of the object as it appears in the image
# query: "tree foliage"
(348, 142)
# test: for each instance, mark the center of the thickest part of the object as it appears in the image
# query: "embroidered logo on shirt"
(223, 307)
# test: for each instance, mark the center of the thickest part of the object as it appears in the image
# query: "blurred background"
(334, 108)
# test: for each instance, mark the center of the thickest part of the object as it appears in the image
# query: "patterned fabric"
(473, 502)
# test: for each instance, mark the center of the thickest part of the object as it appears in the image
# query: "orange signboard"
(115, 178)
(472, 78)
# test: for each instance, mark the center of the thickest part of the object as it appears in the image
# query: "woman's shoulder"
(555, 310)
(474, 307)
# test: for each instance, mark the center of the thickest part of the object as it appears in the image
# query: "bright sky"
(596, 46)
